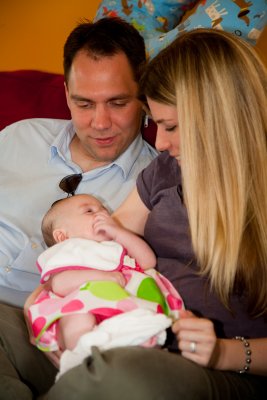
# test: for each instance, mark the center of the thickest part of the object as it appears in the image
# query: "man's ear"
(67, 94)
(60, 235)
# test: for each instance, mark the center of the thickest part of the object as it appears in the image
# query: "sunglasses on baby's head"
(70, 183)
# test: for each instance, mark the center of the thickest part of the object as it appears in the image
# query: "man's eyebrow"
(79, 98)
(122, 96)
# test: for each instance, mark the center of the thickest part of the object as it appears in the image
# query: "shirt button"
(34, 245)
(7, 269)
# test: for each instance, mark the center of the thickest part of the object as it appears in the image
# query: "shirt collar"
(131, 153)
(61, 144)
(60, 147)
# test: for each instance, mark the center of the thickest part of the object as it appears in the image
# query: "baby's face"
(78, 213)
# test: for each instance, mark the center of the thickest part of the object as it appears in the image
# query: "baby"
(91, 271)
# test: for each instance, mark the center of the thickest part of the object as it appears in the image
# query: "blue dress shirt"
(34, 158)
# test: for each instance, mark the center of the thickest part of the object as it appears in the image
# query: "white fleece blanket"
(137, 327)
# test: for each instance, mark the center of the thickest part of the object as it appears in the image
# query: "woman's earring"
(146, 121)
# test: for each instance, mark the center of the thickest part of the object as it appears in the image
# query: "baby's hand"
(103, 222)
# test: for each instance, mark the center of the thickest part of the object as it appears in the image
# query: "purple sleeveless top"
(167, 232)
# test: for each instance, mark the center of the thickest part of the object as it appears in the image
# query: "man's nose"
(101, 119)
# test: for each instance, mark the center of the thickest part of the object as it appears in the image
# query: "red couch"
(33, 94)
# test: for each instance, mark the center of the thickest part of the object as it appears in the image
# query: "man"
(102, 63)
(102, 144)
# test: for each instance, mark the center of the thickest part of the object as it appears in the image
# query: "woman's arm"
(132, 214)
(210, 351)
(232, 355)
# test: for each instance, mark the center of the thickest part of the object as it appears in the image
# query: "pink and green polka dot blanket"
(144, 289)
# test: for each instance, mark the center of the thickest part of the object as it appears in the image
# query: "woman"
(202, 206)
(206, 218)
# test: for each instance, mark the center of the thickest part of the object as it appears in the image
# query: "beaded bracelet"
(247, 354)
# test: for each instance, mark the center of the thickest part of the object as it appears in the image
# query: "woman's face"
(165, 116)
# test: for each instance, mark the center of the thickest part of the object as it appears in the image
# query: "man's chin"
(106, 158)
(109, 154)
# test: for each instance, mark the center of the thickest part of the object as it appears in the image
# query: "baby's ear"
(60, 235)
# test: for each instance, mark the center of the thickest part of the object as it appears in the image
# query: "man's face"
(106, 114)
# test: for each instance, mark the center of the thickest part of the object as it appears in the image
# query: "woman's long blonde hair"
(219, 86)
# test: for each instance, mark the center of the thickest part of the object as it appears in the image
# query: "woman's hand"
(196, 338)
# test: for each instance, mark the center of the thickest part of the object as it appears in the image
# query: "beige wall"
(32, 32)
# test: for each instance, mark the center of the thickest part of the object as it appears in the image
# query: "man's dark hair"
(106, 37)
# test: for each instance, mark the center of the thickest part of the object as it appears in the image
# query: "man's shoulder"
(149, 150)
(45, 127)
(138, 156)
(141, 149)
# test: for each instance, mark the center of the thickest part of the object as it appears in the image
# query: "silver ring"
(193, 347)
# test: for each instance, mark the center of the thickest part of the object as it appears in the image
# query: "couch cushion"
(30, 94)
